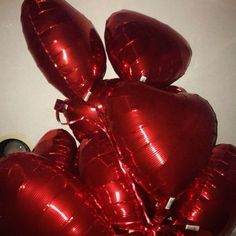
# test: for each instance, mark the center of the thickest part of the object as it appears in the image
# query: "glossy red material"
(37, 199)
(180, 231)
(174, 89)
(210, 201)
(64, 44)
(100, 91)
(59, 146)
(141, 46)
(83, 119)
(139, 233)
(164, 139)
(114, 191)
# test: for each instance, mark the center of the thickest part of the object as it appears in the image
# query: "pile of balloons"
(147, 163)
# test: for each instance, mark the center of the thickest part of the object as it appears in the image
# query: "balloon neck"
(61, 107)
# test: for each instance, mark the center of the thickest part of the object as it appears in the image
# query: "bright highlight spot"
(117, 196)
(58, 211)
(64, 55)
(154, 150)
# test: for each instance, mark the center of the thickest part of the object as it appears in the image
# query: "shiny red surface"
(210, 201)
(177, 231)
(138, 45)
(83, 119)
(37, 199)
(115, 192)
(64, 44)
(59, 146)
(159, 139)
(169, 230)
(100, 91)
(174, 89)
(163, 138)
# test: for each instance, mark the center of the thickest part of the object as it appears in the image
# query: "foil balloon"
(37, 199)
(100, 91)
(64, 44)
(142, 48)
(83, 119)
(168, 230)
(174, 89)
(135, 233)
(139, 233)
(209, 203)
(59, 146)
(114, 191)
(163, 138)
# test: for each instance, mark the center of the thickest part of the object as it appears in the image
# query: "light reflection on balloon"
(59, 146)
(82, 118)
(100, 91)
(142, 48)
(37, 199)
(155, 131)
(163, 138)
(100, 170)
(64, 44)
(210, 200)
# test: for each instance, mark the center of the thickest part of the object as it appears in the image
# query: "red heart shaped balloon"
(164, 138)
(37, 199)
(59, 146)
(210, 201)
(115, 192)
(138, 45)
(64, 44)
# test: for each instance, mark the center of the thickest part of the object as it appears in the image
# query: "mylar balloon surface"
(140, 46)
(100, 91)
(114, 191)
(83, 119)
(37, 199)
(158, 134)
(169, 230)
(210, 201)
(147, 162)
(64, 44)
(59, 146)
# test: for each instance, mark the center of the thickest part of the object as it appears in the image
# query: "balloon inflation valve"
(143, 79)
(192, 227)
(169, 203)
(87, 96)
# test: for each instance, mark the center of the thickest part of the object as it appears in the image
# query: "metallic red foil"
(164, 139)
(64, 44)
(169, 230)
(37, 199)
(174, 89)
(141, 46)
(100, 91)
(210, 201)
(83, 119)
(114, 191)
(59, 146)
